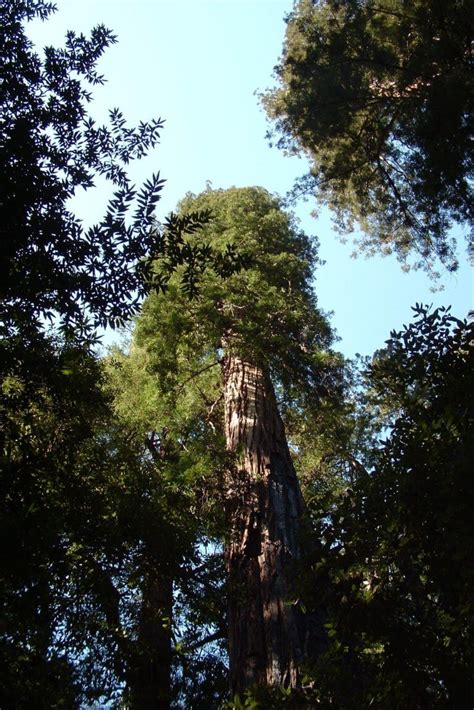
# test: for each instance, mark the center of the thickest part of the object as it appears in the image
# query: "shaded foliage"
(51, 148)
(188, 459)
(89, 520)
(395, 560)
(55, 507)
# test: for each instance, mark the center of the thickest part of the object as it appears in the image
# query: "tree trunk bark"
(150, 674)
(264, 506)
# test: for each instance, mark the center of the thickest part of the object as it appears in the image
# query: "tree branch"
(219, 634)
(196, 374)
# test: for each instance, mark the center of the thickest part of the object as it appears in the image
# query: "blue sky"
(198, 64)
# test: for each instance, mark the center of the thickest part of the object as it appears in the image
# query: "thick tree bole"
(264, 506)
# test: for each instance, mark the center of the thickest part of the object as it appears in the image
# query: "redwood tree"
(264, 508)
(249, 340)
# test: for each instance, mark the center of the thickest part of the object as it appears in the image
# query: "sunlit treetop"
(379, 95)
(267, 311)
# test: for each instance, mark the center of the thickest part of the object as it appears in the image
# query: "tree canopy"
(50, 147)
(378, 95)
(269, 306)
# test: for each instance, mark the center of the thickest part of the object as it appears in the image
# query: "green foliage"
(267, 311)
(394, 566)
(171, 416)
(88, 518)
(330, 437)
(50, 149)
(265, 698)
(378, 94)
(48, 498)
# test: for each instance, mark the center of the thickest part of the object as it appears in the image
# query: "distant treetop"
(379, 95)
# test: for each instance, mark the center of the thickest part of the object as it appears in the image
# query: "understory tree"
(378, 95)
(394, 567)
(98, 522)
(247, 348)
(179, 613)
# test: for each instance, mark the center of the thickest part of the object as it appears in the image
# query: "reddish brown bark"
(264, 508)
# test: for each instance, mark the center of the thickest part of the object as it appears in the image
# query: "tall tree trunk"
(264, 508)
(150, 672)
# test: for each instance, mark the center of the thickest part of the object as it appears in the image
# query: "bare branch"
(219, 634)
(196, 374)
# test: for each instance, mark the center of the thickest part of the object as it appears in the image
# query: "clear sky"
(198, 64)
